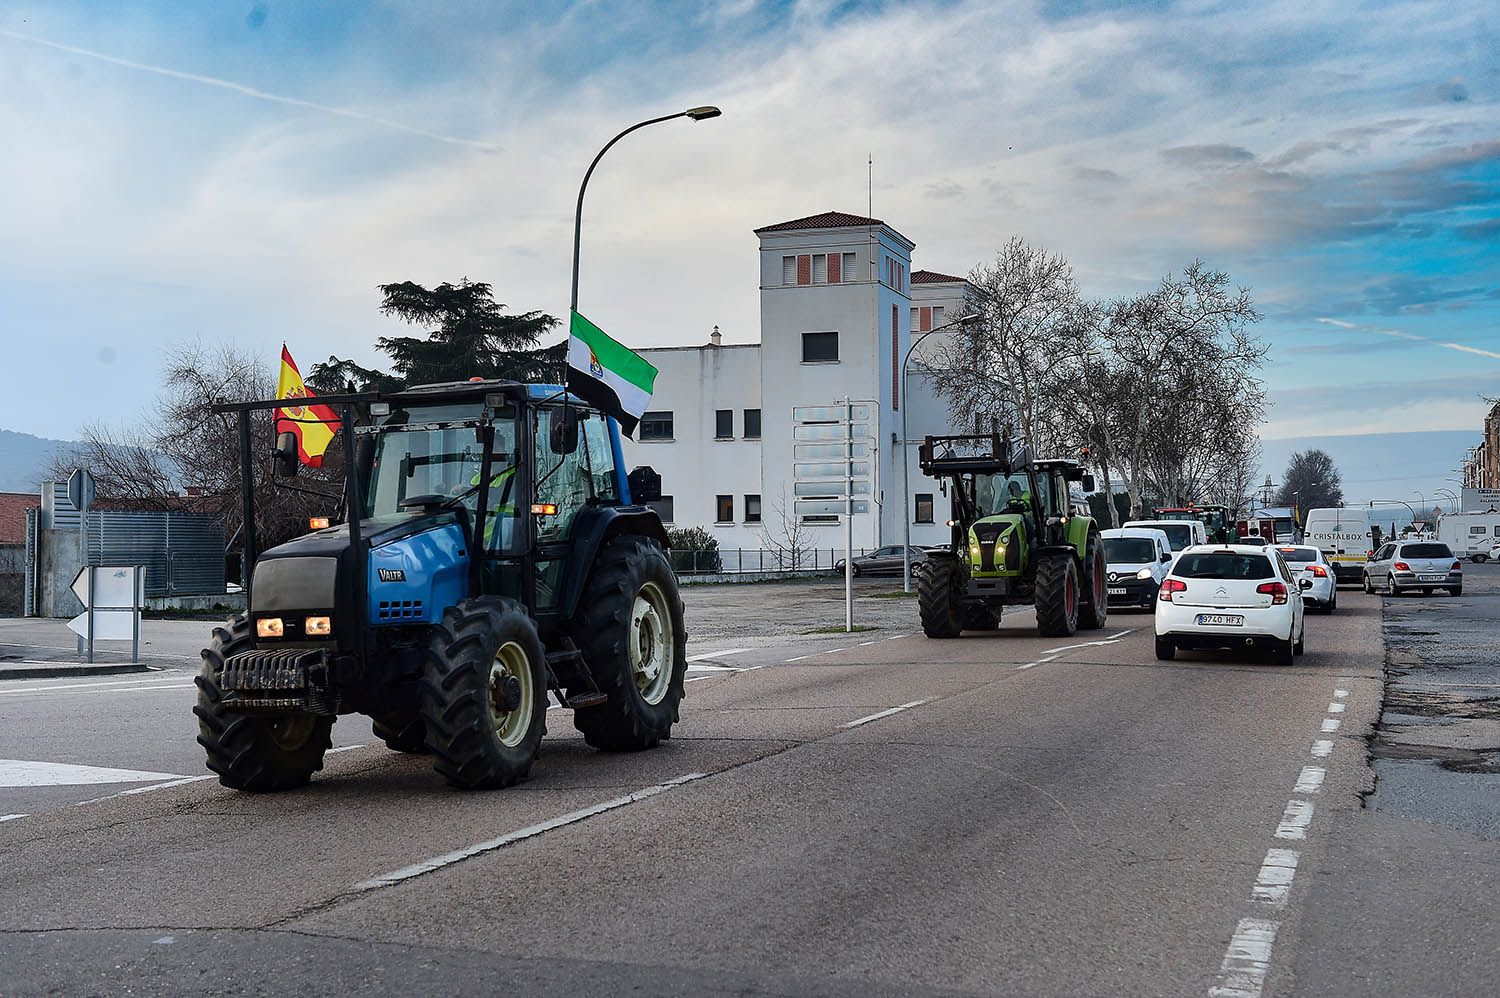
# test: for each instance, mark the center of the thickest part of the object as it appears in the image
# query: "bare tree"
(786, 535)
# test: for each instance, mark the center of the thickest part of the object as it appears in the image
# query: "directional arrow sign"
(116, 587)
(110, 624)
(827, 507)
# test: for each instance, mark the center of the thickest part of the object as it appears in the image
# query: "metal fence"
(754, 561)
(183, 552)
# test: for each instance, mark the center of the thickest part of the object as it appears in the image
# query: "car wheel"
(1390, 586)
(1283, 653)
(1165, 649)
(1455, 590)
(1369, 589)
(1299, 647)
(1333, 602)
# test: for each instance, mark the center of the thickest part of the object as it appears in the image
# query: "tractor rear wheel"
(401, 734)
(940, 598)
(1094, 612)
(1057, 596)
(979, 617)
(484, 693)
(253, 752)
(629, 627)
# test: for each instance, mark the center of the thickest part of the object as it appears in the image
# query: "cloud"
(943, 190)
(1213, 155)
(247, 91)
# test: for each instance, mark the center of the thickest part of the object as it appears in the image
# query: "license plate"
(1433, 578)
(1220, 619)
(1117, 592)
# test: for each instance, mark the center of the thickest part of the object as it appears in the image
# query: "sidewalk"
(37, 648)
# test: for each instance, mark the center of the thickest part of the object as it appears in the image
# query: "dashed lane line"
(1330, 725)
(1243, 972)
(1274, 882)
(1340, 694)
(1335, 708)
(884, 713)
(1051, 654)
(1295, 819)
(1310, 780)
(10, 817)
(1322, 748)
(519, 835)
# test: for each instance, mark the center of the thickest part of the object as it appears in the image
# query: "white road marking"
(10, 817)
(122, 689)
(884, 713)
(1335, 708)
(1310, 780)
(799, 658)
(146, 790)
(346, 748)
(137, 681)
(1090, 644)
(520, 834)
(1243, 972)
(698, 667)
(864, 644)
(1330, 725)
(1295, 819)
(1274, 882)
(716, 654)
(694, 679)
(1322, 748)
(1340, 694)
(894, 637)
(24, 773)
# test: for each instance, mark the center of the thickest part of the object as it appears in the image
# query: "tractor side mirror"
(284, 457)
(1088, 483)
(562, 438)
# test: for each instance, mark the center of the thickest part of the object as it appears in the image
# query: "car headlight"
(1144, 573)
(269, 627)
(317, 627)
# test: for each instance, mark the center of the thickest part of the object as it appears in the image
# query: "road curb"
(63, 670)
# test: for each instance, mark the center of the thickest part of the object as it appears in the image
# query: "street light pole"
(696, 113)
(905, 474)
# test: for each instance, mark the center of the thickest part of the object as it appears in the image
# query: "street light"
(905, 474)
(1421, 503)
(695, 113)
(1451, 496)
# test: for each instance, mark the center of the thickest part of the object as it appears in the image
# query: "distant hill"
(24, 459)
(1382, 465)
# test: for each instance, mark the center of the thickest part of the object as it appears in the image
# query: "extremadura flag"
(607, 375)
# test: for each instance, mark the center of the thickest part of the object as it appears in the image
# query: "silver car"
(1407, 566)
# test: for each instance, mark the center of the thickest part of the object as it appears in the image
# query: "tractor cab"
(491, 552)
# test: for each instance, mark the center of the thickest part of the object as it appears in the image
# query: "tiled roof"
(827, 220)
(933, 277)
(13, 506)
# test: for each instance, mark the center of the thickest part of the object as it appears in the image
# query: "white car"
(1311, 563)
(1181, 534)
(1230, 596)
(1137, 559)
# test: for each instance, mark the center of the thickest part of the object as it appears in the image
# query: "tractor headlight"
(317, 627)
(269, 627)
(1143, 574)
(973, 550)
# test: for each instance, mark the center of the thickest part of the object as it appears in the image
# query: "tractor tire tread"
(1052, 617)
(938, 604)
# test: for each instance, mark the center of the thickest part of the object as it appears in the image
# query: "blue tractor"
(490, 551)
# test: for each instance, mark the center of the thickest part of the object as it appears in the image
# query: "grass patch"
(839, 629)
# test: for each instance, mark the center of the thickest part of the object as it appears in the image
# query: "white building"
(838, 308)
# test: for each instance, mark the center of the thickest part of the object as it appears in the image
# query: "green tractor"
(491, 550)
(1016, 541)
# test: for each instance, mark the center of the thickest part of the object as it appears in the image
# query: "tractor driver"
(502, 510)
(1019, 501)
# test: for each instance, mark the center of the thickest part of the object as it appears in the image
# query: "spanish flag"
(313, 424)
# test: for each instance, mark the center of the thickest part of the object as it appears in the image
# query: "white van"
(1469, 534)
(1182, 533)
(1344, 537)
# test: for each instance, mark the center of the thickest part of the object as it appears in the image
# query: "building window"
(788, 270)
(752, 509)
(656, 426)
(895, 358)
(820, 348)
(663, 507)
(820, 268)
(752, 424)
(937, 316)
(724, 424)
(849, 274)
(725, 506)
(924, 507)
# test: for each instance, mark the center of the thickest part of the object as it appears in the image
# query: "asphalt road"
(865, 814)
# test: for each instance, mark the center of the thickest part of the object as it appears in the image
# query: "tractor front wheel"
(940, 598)
(629, 627)
(253, 752)
(1057, 596)
(484, 694)
(1094, 613)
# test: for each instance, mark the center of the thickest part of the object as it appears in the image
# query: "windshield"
(437, 459)
(1426, 551)
(1300, 554)
(992, 492)
(1223, 566)
(1128, 550)
(1179, 535)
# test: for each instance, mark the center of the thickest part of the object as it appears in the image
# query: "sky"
(250, 171)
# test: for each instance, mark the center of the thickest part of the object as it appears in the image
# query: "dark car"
(882, 561)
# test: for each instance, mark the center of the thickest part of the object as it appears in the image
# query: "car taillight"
(1401, 566)
(1318, 570)
(1275, 590)
(1458, 566)
(1171, 586)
